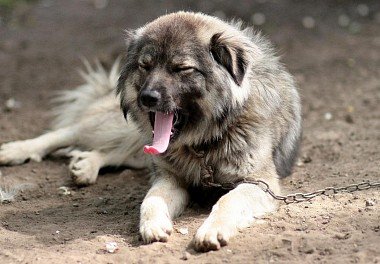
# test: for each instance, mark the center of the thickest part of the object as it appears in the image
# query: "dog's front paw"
(157, 230)
(18, 152)
(212, 236)
(84, 167)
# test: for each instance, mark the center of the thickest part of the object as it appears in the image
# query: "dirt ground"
(332, 48)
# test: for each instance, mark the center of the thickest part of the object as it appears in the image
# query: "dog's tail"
(69, 104)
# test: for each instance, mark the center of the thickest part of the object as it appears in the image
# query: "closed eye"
(184, 69)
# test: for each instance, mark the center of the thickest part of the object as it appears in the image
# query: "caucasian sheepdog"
(208, 100)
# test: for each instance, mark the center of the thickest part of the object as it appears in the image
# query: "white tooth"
(152, 131)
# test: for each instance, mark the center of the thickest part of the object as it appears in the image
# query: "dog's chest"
(197, 167)
(184, 164)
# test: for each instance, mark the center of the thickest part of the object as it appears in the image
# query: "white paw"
(84, 167)
(157, 230)
(18, 152)
(212, 235)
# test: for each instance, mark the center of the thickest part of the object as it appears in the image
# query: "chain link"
(207, 181)
(297, 197)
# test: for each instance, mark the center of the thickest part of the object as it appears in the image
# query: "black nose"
(150, 98)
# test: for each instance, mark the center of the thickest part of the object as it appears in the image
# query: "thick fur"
(89, 125)
(241, 113)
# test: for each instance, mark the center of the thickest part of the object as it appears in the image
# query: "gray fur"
(239, 117)
(248, 118)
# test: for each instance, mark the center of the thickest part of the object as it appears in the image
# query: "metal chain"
(207, 181)
(296, 197)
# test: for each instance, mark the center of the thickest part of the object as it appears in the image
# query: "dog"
(205, 101)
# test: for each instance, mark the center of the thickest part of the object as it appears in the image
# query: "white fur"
(240, 93)
(18, 152)
(234, 211)
(88, 120)
(164, 201)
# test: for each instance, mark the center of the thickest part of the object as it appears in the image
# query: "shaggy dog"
(222, 109)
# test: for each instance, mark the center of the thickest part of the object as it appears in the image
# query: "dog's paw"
(84, 167)
(157, 230)
(18, 152)
(211, 236)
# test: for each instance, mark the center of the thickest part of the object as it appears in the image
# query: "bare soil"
(338, 72)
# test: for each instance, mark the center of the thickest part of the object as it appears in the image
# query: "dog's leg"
(85, 165)
(236, 210)
(18, 152)
(164, 201)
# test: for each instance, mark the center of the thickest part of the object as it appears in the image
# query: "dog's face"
(181, 76)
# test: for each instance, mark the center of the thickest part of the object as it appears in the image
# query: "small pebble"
(183, 230)
(307, 250)
(111, 247)
(299, 163)
(11, 104)
(185, 256)
(328, 116)
(307, 159)
(286, 242)
(64, 190)
(342, 236)
(369, 202)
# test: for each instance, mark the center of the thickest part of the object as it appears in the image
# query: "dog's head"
(184, 74)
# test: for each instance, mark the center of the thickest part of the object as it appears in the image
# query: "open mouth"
(166, 127)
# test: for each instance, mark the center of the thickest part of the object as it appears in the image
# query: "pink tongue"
(162, 130)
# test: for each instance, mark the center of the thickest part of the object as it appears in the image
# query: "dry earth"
(336, 66)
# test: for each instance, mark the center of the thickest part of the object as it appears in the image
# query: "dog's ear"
(229, 53)
(120, 90)
(130, 38)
